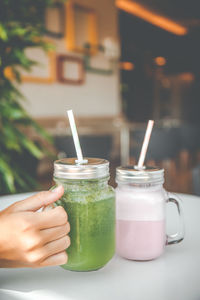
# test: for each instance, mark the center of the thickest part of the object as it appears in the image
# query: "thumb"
(39, 200)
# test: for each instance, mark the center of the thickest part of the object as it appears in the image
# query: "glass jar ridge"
(83, 184)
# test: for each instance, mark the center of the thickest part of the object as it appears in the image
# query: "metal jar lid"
(131, 174)
(68, 168)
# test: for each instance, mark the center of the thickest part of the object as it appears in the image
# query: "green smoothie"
(90, 206)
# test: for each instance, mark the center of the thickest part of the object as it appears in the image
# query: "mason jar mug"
(90, 204)
(141, 213)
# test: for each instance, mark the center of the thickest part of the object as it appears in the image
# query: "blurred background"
(116, 64)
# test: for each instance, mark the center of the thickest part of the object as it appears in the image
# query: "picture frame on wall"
(70, 70)
(43, 72)
(99, 64)
(45, 69)
(55, 29)
(81, 28)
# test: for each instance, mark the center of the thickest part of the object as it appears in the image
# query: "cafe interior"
(117, 64)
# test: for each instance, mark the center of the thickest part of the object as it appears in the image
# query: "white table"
(174, 276)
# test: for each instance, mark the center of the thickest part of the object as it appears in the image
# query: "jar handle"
(179, 235)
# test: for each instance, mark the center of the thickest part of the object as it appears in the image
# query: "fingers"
(52, 234)
(51, 218)
(55, 260)
(57, 246)
(36, 256)
(39, 200)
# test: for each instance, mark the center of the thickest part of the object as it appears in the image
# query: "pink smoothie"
(140, 240)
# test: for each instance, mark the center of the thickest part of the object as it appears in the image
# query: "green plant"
(21, 27)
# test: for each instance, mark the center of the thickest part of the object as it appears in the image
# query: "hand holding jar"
(29, 238)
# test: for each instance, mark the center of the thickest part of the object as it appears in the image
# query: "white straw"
(145, 144)
(75, 137)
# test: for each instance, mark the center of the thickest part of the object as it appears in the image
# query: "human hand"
(29, 238)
